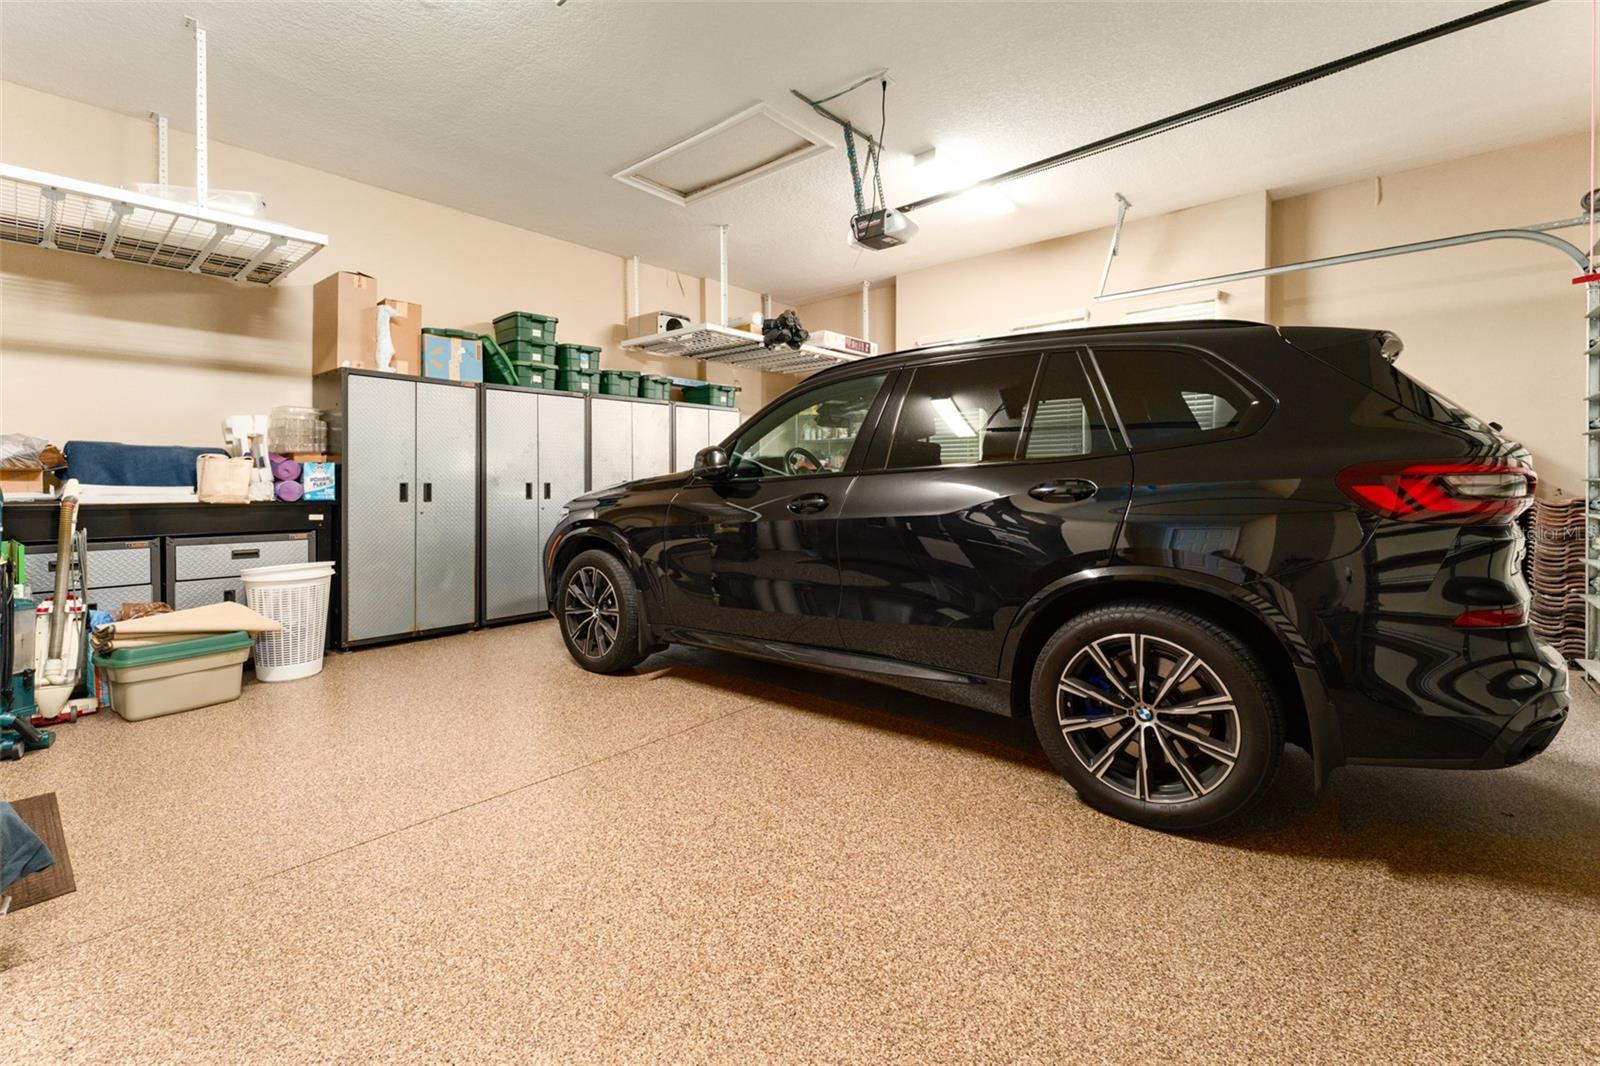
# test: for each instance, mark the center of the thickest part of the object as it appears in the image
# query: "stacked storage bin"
(577, 368)
(528, 339)
(1555, 572)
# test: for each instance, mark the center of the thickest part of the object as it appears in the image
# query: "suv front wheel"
(597, 605)
(1157, 715)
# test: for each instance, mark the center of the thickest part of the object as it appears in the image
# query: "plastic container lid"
(527, 314)
(178, 649)
(288, 573)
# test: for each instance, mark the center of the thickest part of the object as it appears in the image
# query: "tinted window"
(811, 433)
(966, 412)
(1066, 420)
(1167, 397)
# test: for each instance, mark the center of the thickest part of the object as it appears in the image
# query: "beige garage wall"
(843, 313)
(101, 350)
(1497, 327)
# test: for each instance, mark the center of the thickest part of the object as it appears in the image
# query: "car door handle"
(810, 503)
(1075, 488)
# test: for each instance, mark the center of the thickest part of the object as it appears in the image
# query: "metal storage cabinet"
(513, 582)
(695, 426)
(116, 572)
(628, 439)
(447, 506)
(534, 457)
(202, 570)
(408, 500)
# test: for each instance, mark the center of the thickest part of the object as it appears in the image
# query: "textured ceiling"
(522, 111)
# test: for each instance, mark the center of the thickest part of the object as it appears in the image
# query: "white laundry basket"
(296, 596)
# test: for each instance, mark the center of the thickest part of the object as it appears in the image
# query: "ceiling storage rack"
(717, 342)
(49, 211)
(68, 215)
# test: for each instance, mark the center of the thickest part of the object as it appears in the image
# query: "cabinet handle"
(427, 492)
(247, 553)
(527, 490)
(229, 596)
(405, 492)
(547, 490)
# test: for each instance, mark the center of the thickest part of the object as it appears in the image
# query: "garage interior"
(433, 836)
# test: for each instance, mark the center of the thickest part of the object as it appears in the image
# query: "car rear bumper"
(1535, 724)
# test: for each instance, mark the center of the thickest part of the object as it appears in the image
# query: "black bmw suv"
(1175, 547)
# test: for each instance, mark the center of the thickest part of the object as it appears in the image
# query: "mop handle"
(64, 545)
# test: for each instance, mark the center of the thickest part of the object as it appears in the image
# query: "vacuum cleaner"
(18, 734)
(68, 617)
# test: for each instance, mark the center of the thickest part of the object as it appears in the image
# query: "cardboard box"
(19, 480)
(344, 323)
(452, 358)
(405, 329)
(319, 480)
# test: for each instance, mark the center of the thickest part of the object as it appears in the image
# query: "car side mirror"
(710, 463)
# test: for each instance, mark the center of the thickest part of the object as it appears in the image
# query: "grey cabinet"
(408, 488)
(202, 570)
(115, 572)
(695, 426)
(628, 439)
(534, 458)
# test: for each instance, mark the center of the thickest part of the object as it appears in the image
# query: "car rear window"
(1168, 397)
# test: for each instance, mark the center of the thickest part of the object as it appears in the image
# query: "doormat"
(43, 816)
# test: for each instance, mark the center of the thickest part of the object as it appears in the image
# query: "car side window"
(1168, 397)
(1066, 421)
(969, 411)
(810, 433)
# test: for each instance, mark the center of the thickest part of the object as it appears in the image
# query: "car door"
(754, 552)
(995, 476)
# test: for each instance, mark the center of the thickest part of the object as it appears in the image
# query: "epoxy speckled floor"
(468, 849)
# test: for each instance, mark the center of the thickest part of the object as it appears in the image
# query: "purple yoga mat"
(289, 491)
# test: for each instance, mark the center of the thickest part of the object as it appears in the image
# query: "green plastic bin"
(525, 326)
(652, 387)
(578, 380)
(178, 676)
(536, 375)
(714, 395)
(530, 352)
(577, 357)
(498, 369)
(619, 383)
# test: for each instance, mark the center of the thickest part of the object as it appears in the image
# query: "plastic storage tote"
(715, 395)
(577, 380)
(525, 326)
(619, 383)
(536, 375)
(167, 678)
(296, 597)
(577, 357)
(653, 387)
(497, 365)
(530, 352)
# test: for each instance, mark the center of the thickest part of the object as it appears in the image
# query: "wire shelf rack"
(49, 211)
(712, 343)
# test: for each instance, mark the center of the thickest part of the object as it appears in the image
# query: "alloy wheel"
(592, 614)
(1148, 717)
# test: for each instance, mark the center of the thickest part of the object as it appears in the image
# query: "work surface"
(468, 849)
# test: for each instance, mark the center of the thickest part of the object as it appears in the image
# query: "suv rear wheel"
(598, 609)
(1157, 715)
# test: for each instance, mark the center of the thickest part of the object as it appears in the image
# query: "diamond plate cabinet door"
(513, 579)
(652, 440)
(610, 441)
(378, 482)
(447, 506)
(561, 458)
(691, 431)
(721, 424)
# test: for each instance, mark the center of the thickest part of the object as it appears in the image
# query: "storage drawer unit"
(117, 572)
(202, 570)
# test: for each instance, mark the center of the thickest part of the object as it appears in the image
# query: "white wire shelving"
(65, 214)
(712, 343)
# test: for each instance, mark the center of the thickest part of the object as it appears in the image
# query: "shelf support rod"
(161, 146)
(866, 309)
(202, 170)
(1116, 242)
(633, 286)
(722, 255)
(119, 214)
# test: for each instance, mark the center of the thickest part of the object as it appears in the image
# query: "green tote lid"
(178, 649)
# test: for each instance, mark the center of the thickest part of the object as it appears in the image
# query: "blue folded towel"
(21, 851)
(99, 462)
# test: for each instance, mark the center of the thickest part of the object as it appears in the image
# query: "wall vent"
(739, 149)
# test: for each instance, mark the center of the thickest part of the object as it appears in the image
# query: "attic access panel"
(739, 149)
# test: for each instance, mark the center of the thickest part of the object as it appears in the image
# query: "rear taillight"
(1463, 492)
(1492, 618)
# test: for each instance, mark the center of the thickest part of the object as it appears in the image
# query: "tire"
(1095, 733)
(596, 587)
